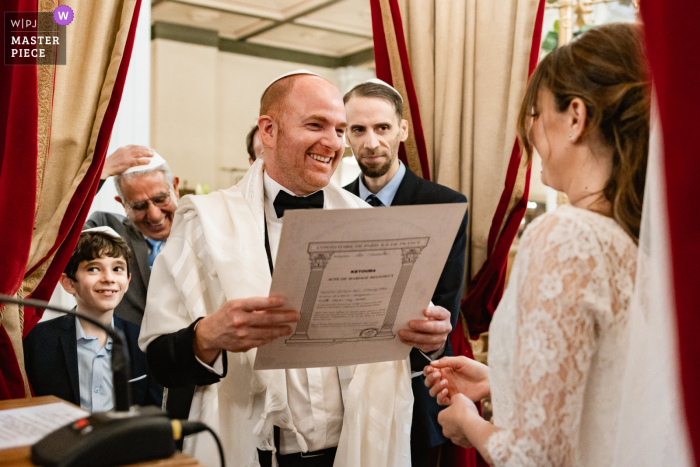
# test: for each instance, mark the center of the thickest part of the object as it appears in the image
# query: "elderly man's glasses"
(160, 200)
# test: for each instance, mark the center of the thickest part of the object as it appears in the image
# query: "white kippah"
(153, 162)
(384, 83)
(103, 229)
(291, 73)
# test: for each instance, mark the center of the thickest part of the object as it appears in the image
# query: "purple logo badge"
(63, 15)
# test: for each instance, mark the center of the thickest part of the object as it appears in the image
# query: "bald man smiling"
(208, 307)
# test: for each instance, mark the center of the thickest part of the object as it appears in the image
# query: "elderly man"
(208, 308)
(253, 145)
(148, 192)
(375, 129)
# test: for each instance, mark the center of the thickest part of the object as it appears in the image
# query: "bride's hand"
(453, 420)
(450, 376)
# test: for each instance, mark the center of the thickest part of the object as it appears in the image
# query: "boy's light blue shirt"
(94, 371)
(386, 195)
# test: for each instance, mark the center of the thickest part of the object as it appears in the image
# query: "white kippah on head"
(291, 73)
(384, 83)
(103, 229)
(153, 162)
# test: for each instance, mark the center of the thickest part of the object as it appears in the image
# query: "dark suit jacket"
(134, 302)
(426, 431)
(51, 361)
(174, 365)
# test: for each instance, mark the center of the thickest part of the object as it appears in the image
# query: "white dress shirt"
(313, 394)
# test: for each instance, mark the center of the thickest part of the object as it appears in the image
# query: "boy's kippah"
(103, 229)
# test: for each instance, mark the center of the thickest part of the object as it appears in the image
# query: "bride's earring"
(571, 137)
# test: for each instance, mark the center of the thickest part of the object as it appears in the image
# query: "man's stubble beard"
(381, 170)
(373, 171)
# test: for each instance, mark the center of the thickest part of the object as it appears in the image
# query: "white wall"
(183, 109)
(132, 125)
(204, 103)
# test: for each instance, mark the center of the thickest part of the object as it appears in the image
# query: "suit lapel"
(354, 187)
(138, 244)
(70, 354)
(119, 324)
(407, 189)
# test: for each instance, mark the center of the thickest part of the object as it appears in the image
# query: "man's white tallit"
(216, 253)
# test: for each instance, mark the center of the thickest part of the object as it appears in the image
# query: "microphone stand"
(121, 366)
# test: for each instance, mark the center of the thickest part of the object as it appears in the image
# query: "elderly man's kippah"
(153, 162)
(384, 83)
(291, 73)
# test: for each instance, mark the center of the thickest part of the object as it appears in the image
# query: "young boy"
(69, 357)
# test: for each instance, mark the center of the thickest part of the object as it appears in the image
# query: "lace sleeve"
(559, 282)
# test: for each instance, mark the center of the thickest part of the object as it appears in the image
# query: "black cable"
(218, 444)
(191, 428)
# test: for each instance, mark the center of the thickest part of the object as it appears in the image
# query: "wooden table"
(21, 456)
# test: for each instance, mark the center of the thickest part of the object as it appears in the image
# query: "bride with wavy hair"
(558, 339)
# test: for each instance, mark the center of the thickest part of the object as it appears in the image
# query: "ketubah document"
(357, 276)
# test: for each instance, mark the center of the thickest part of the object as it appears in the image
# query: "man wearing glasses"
(148, 191)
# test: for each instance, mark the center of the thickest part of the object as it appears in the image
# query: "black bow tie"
(285, 201)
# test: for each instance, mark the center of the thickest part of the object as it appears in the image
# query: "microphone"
(127, 435)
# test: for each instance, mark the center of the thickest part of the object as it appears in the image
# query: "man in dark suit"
(149, 194)
(71, 358)
(375, 129)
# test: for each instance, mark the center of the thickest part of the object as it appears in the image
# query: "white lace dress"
(558, 342)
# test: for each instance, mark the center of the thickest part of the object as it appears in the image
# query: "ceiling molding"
(359, 58)
(210, 38)
(321, 42)
(276, 53)
(217, 9)
(320, 27)
(255, 31)
(291, 18)
(182, 33)
(347, 16)
(261, 10)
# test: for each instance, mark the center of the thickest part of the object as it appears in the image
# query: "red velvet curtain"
(18, 154)
(18, 182)
(391, 61)
(674, 54)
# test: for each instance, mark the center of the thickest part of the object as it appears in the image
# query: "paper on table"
(21, 427)
(357, 276)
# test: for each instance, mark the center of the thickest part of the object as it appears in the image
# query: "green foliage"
(551, 41)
